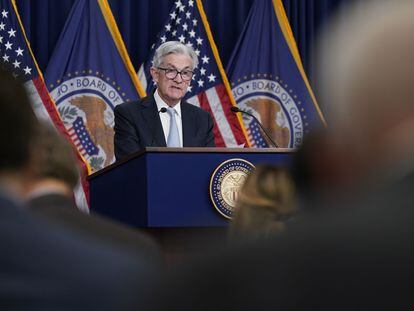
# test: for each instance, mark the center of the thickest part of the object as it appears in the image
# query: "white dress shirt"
(165, 117)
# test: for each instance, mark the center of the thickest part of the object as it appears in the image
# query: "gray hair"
(174, 47)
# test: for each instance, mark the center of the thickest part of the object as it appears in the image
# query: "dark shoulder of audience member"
(264, 203)
(42, 267)
(53, 176)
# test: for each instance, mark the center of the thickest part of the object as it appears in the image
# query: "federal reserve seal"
(85, 104)
(276, 106)
(225, 183)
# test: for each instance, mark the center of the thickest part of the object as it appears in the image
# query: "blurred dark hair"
(17, 123)
(52, 156)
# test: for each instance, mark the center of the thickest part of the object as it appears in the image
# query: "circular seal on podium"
(225, 183)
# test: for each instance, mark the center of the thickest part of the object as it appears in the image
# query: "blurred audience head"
(367, 77)
(17, 125)
(52, 162)
(265, 201)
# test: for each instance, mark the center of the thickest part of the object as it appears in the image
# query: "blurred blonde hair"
(266, 199)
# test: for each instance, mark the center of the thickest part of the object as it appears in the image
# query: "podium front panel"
(167, 189)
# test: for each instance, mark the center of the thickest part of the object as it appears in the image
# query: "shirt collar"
(160, 103)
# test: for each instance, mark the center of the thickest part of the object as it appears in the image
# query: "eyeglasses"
(171, 74)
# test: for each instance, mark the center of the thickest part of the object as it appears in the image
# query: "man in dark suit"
(163, 119)
(43, 267)
(49, 185)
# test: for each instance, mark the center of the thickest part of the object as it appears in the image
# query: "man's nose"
(178, 78)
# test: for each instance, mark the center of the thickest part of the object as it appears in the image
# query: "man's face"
(172, 90)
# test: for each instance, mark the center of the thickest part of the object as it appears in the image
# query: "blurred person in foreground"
(41, 266)
(359, 257)
(264, 203)
(49, 185)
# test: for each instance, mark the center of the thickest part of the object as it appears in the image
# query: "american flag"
(17, 57)
(209, 89)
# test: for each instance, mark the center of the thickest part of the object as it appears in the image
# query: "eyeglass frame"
(177, 73)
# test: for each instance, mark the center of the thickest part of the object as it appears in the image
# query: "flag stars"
(185, 27)
(189, 89)
(168, 27)
(12, 33)
(19, 52)
(2, 26)
(178, 20)
(163, 39)
(27, 70)
(188, 15)
(182, 8)
(1, 39)
(181, 38)
(205, 59)
(8, 45)
(192, 33)
(190, 3)
(6, 57)
(174, 33)
(189, 44)
(4, 14)
(173, 15)
(194, 22)
(178, 3)
(202, 71)
(197, 52)
(211, 78)
(16, 64)
(200, 83)
(199, 41)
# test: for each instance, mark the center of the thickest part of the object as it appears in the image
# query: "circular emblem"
(86, 105)
(277, 108)
(225, 183)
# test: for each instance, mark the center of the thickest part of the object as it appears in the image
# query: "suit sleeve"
(210, 133)
(126, 139)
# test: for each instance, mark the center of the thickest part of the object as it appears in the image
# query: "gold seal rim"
(211, 182)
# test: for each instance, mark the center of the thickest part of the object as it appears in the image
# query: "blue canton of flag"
(268, 79)
(188, 24)
(14, 53)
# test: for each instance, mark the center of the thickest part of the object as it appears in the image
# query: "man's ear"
(154, 74)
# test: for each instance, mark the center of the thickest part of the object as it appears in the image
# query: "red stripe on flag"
(54, 115)
(204, 104)
(230, 116)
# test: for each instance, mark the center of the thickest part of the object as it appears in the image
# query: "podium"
(166, 190)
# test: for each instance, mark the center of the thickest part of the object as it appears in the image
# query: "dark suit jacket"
(43, 267)
(138, 125)
(60, 210)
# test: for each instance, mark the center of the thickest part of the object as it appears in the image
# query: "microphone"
(162, 110)
(236, 110)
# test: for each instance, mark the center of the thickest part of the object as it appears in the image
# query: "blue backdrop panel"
(140, 21)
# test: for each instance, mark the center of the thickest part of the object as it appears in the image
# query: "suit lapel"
(151, 117)
(189, 127)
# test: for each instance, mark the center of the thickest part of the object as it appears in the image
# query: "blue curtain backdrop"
(140, 20)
